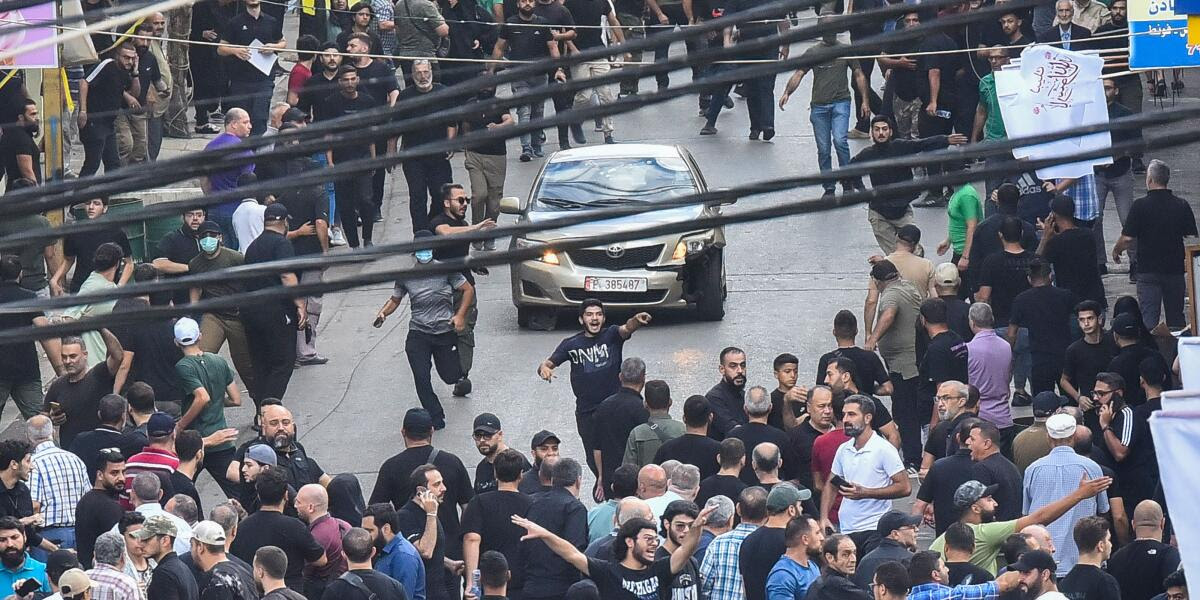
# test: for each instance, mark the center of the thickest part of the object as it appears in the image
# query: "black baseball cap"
(276, 212)
(1045, 403)
(884, 270)
(894, 519)
(160, 424)
(910, 233)
(542, 437)
(294, 115)
(487, 423)
(418, 420)
(1126, 325)
(208, 227)
(1038, 560)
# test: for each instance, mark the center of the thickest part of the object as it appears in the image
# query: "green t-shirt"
(988, 538)
(993, 127)
(212, 373)
(964, 206)
(831, 78)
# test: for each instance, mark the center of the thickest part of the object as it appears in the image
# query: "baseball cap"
(1039, 560)
(946, 275)
(275, 212)
(208, 227)
(262, 454)
(971, 491)
(156, 525)
(1060, 426)
(73, 582)
(909, 233)
(61, 560)
(894, 519)
(1125, 325)
(208, 532)
(542, 437)
(187, 332)
(884, 270)
(294, 115)
(784, 495)
(1045, 403)
(418, 420)
(160, 424)
(487, 423)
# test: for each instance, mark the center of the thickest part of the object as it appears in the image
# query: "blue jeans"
(63, 536)
(529, 112)
(831, 122)
(1022, 359)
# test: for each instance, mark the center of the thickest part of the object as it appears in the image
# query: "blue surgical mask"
(424, 256)
(209, 244)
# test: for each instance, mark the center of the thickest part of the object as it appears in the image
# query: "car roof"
(617, 151)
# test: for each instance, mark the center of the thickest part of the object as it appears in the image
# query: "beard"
(737, 382)
(852, 431)
(987, 517)
(282, 440)
(1032, 592)
(12, 557)
(379, 542)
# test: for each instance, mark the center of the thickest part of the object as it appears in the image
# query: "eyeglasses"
(1102, 392)
(462, 200)
(481, 435)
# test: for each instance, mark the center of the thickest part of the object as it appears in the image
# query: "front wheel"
(711, 285)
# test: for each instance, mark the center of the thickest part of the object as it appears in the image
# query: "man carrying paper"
(252, 37)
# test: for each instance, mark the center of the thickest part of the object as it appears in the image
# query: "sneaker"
(315, 359)
(856, 134)
(378, 218)
(217, 116)
(708, 130)
(1021, 398)
(336, 237)
(768, 133)
(913, 472)
(930, 199)
(526, 154)
(368, 243)
(462, 388)
(599, 126)
(208, 128)
(564, 145)
(754, 134)
(608, 139)
(439, 424)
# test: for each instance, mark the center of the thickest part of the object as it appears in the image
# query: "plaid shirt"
(937, 591)
(1083, 191)
(57, 482)
(110, 584)
(720, 578)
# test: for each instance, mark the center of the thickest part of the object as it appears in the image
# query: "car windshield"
(600, 182)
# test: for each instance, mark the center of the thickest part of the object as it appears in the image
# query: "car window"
(596, 183)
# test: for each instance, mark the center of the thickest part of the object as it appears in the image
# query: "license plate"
(614, 284)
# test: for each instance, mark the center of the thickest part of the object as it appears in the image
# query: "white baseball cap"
(187, 332)
(1060, 426)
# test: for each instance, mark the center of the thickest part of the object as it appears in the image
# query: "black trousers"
(587, 435)
(354, 204)
(876, 103)
(562, 101)
(932, 125)
(379, 178)
(675, 16)
(315, 25)
(439, 351)
(271, 339)
(1044, 375)
(99, 137)
(208, 81)
(907, 413)
(425, 177)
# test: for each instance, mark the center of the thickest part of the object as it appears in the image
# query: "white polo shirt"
(872, 467)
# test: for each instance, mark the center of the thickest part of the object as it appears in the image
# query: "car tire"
(538, 319)
(711, 306)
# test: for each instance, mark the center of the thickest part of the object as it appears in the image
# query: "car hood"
(607, 226)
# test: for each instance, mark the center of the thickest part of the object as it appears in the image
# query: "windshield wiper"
(612, 201)
(562, 203)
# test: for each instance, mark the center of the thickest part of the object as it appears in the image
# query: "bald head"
(1041, 535)
(1148, 519)
(652, 482)
(312, 501)
(632, 508)
(766, 458)
(40, 429)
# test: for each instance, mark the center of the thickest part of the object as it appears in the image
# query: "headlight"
(691, 245)
(548, 256)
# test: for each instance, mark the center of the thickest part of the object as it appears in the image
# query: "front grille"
(646, 297)
(632, 258)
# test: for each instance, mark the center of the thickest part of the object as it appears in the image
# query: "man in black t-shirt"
(615, 418)
(1087, 356)
(1045, 311)
(870, 373)
(321, 84)
(71, 400)
(486, 162)
(177, 249)
(1071, 250)
(80, 248)
(591, 13)
(249, 88)
(1141, 566)
(677, 521)
(525, 43)
(270, 527)
(108, 87)
(694, 447)
(489, 440)
(21, 156)
(378, 80)
(452, 220)
(1158, 222)
(1003, 276)
(271, 324)
(595, 355)
(487, 521)
(638, 575)
(132, 125)
(937, 70)
(353, 191)
(424, 175)
(945, 357)
(359, 547)
(20, 371)
(223, 578)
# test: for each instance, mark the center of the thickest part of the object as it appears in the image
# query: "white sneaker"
(335, 236)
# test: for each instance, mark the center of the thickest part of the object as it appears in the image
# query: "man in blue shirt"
(396, 557)
(928, 575)
(800, 565)
(18, 565)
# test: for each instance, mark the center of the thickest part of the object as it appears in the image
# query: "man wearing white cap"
(1052, 477)
(223, 578)
(946, 282)
(74, 584)
(208, 381)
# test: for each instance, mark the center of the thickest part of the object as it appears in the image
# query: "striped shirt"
(720, 577)
(1053, 477)
(57, 482)
(110, 584)
(150, 460)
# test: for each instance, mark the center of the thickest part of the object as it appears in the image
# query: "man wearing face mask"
(222, 324)
(425, 175)
(21, 155)
(434, 325)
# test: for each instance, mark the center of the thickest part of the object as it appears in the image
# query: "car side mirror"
(510, 205)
